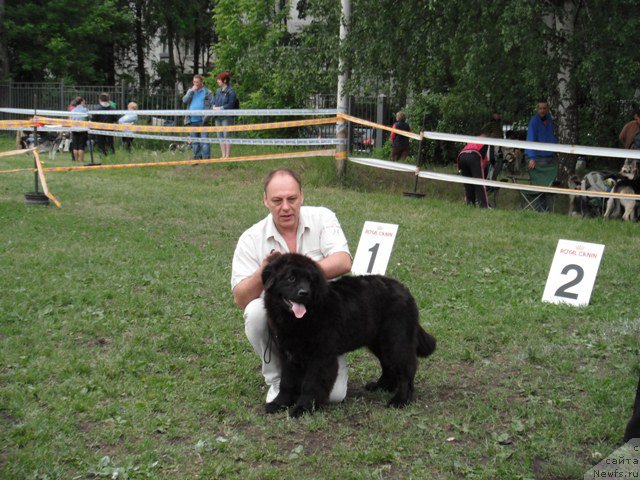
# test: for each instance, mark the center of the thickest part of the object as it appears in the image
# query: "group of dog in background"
(626, 181)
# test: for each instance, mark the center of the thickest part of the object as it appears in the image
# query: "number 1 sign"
(374, 249)
(573, 272)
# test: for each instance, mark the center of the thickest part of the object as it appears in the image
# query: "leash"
(268, 349)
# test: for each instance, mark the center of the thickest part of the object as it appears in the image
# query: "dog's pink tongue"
(298, 309)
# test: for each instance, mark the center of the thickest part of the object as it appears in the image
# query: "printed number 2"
(562, 291)
(374, 253)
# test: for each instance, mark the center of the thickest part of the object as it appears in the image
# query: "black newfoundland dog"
(313, 321)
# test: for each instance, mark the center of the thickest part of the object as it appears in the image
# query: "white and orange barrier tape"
(415, 136)
(447, 177)
(156, 128)
(259, 112)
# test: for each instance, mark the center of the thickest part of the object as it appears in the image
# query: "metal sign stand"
(415, 193)
(36, 197)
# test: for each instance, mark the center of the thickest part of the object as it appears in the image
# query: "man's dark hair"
(282, 171)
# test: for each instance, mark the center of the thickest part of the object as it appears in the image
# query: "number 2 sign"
(573, 272)
(374, 249)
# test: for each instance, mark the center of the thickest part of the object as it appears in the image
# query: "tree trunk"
(343, 101)
(196, 50)
(170, 47)
(562, 19)
(4, 55)
(110, 64)
(140, 43)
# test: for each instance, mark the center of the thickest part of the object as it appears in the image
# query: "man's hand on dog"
(271, 257)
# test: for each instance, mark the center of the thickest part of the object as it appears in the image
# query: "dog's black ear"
(266, 273)
(267, 276)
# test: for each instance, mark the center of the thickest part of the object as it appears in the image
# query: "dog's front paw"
(274, 407)
(399, 402)
(298, 410)
(373, 386)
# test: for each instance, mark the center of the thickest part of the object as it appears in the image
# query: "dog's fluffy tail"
(426, 343)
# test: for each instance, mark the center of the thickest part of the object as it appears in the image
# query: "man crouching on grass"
(289, 227)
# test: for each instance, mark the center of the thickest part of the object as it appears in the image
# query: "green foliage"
(272, 67)
(472, 56)
(74, 41)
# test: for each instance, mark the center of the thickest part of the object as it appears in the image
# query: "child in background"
(129, 119)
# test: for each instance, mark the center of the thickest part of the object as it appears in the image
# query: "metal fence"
(379, 109)
(58, 95)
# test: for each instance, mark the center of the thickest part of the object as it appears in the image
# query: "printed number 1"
(374, 253)
(562, 291)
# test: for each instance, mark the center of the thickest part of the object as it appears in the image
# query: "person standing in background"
(79, 138)
(400, 143)
(104, 143)
(630, 132)
(225, 99)
(493, 128)
(129, 119)
(198, 97)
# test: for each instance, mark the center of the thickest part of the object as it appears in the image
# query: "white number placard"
(573, 272)
(374, 249)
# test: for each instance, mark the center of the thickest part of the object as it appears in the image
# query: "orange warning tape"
(155, 128)
(16, 152)
(16, 170)
(273, 156)
(16, 123)
(43, 180)
(350, 118)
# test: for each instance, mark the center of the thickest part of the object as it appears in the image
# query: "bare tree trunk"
(140, 43)
(196, 50)
(562, 19)
(170, 47)
(4, 55)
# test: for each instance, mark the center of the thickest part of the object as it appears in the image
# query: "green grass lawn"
(122, 354)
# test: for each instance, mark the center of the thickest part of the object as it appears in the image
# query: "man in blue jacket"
(543, 165)
(198, 97)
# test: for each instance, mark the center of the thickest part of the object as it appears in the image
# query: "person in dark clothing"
(633, 427)
(104, 143)
(225, 98)
(400, 143)
(472, 162)
(493, 127)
